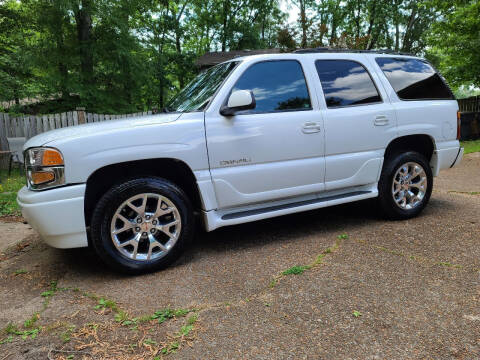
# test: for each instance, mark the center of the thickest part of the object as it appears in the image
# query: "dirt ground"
(357, 287)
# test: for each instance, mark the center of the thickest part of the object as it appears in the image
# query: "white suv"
(248, 139)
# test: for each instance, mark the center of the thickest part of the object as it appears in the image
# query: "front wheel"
(142, 225)
(405, 185)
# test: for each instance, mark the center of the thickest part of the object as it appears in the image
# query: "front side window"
(198, 93)
(414, 79)
(346, 83)
(276, 85)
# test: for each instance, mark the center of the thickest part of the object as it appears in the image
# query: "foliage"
(9, 186)
(471, 146)
(296, 270)
(126, 56)
(455, 41)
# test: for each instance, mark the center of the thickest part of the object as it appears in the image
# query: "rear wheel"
(405, 185)
(142, 225)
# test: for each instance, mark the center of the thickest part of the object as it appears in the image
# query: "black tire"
(109, 203)
(387, 204)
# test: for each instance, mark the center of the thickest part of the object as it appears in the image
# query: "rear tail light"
(459, 124)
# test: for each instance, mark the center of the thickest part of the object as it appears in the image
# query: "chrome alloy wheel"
(145, 227)
(409, 185)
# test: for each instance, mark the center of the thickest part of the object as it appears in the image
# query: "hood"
(98, 127)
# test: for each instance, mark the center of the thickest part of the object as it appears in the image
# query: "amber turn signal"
(41, 177)
(52, 157)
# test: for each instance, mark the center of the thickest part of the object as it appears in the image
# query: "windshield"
(196, 95)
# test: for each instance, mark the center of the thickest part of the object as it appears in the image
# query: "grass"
(471, 146)
(9, 186)
(296, 270)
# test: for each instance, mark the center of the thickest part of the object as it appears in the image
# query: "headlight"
(44, 168)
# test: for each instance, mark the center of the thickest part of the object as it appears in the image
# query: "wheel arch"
(421, 143)
(174, 170)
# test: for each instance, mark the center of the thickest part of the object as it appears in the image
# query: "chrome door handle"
(311, 127)
(381, 120)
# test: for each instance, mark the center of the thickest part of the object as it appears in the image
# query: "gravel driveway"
(337, 283)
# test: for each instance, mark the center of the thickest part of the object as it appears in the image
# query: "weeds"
(20, 272)
(12, 329)
(165, 314)
(30, 322)
(296, 270)
(9, 187)
(300, 269)
(106, 304)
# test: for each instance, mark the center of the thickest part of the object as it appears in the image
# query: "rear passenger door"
(359, 122)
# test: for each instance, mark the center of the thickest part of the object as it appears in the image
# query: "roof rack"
(341, 50)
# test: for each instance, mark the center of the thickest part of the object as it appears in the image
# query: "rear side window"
(414, 79)
(346, 83)
(276, 85)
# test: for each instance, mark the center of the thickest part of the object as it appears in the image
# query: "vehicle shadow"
(279, 230)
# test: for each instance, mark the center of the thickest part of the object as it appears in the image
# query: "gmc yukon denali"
(248, 139)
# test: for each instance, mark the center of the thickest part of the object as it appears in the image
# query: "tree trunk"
(397, 36)
(83, 18)
(16, 96)
(225, 25)
(407, 43)
(369, 44)
(178, 44)
(57, 30)
(303, 23)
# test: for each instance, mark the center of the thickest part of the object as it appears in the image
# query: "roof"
(340, 50)
(213, 58)
(217, 57)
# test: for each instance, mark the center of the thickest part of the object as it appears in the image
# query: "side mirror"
(238, 100)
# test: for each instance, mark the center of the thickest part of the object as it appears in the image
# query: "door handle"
(381, 120)
(311, 127)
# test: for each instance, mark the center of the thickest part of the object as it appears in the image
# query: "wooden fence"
(471, 104)
(30, 125)
(470, 116)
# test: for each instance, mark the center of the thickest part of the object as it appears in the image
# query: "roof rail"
(341, 50)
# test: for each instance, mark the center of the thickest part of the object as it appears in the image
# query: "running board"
(214, 219)
(242, 214)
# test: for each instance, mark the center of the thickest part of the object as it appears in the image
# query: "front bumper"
(56, 214)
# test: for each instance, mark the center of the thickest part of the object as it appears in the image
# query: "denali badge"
(235, 162)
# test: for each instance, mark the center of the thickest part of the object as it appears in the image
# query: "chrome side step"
(242, 214)
(215, 219)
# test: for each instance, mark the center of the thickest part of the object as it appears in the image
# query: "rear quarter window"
(414, 79)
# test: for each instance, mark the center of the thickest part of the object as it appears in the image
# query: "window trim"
(224, 103)
(425, 62)
(348, 106)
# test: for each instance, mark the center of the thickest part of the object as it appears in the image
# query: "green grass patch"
(28, 324)
(296, 270)
(471, 146)
(9, 186)
(106, 304)
(357, 313)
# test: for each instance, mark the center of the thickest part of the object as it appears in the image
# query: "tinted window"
(277, 86)
(345, 83)
(414, 79)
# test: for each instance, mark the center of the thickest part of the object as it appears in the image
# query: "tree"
(455, 41)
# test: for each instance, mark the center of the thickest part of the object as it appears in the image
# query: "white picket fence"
(30, 125)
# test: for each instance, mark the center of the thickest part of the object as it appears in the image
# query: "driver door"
(273, 151)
